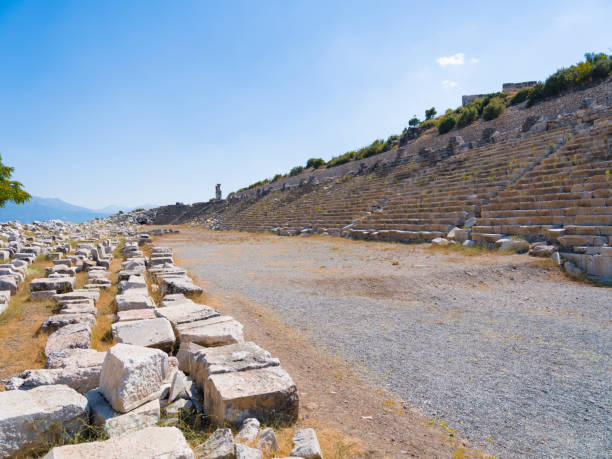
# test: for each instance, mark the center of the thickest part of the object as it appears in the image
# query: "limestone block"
(514, 245)
(156, 333)
(458, 234)
(245, 452)
(147, 443)
(249, 430)
(69, 337)
(43, 294)
(220, 445)
(182, 285)
(60, 285)
(132, 375)
(146, 415)
(185, 313)
(439, 241)
(77, 295)
(81, 358)
(306, 444)
(130, 300)
(227, 359)
(186, 356)
(35, 418)
(81, 380)
(217, 331)
(135, 314)
(52, 323)
(267, 394)
(8, 283)
(267, 440)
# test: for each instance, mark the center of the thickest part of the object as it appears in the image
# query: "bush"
(493, 109)
(414, 121)
(296, 170)
(467, 115)
(276, 177)
(342, 159)
(520, 96)
(315, 163)
(430, 114)
(446, 124)
(429, 124)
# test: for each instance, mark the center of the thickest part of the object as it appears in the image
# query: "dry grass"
(21, 340)
(101, 338)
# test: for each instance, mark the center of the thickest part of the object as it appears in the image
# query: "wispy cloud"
(455, 59)
(474, 60)
(449, 84)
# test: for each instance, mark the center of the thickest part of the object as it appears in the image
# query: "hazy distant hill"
(52, 208)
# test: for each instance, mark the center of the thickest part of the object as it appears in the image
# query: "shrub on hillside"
(446, 124)
(520, 96)
(429, 124)
(467, 114)
(296, 170)
(315, 163)
(493, 109)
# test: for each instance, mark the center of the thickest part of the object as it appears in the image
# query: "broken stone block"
(69, 337)
(77, 295)
(267, 394)
(182, 285)
(249, 430)
(52, 323)
(245, 452)
(33, 419)
(156, 333)
(43, 294)
(185, 313)
(513, 245)
(8, 283)
(186, 356)
(227, 359)
(60, 285)
(80, 358)
(217, 331)
(220, 445)
(267, 440)
(306, 445)
(146, 415)
(80, 379)
(132, 375)
(150, 442)
(135, 314)
(130, 300)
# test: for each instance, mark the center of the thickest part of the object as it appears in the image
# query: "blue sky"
(132, 102)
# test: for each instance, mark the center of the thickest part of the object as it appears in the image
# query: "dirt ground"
(417, 352)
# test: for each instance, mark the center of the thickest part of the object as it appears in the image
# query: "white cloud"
(449, 84)
(474, 60)
(455, 59)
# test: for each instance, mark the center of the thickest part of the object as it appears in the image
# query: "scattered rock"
(248, 430)
(306, 444)
(220, 445)
(267, 440)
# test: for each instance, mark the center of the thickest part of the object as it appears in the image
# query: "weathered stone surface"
(514, 245)
(217, 331)
(148, 443)
(59, 320)
(132, 375)
(178, 386)
(155, 333)
(267, 394)
(186, 355)
(8, 283)
(181, 405)
(129, 301)
(69, 337)
(267, 440)
(220, 445)
(35, 418)
(60, 285)
(249, 430)
(185, 313)
(42, 294)
(77, 295)
(81, 358)
(182, 285)
(306, 444)
(227, 359)
(80, 379)
(135, 314)
(245, 452)
(146, 415)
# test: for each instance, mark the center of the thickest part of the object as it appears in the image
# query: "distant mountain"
(52, 208)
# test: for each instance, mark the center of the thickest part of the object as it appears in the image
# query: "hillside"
(539, 173)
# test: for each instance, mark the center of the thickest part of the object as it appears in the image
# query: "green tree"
(315, 163)
(414, 121)
(429, 114)
(11, 190)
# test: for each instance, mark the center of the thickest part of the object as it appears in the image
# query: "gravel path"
(513, 356)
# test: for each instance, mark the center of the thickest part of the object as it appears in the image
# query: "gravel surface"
(512, 355)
